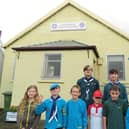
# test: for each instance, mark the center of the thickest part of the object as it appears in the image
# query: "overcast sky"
(16, 15)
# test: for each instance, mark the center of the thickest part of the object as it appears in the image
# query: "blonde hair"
(26, 98)
(75, 86)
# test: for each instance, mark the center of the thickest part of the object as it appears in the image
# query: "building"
(1, 61)
(58, 46)
(1, 58)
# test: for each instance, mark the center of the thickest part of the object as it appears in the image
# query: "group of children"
(73, 114)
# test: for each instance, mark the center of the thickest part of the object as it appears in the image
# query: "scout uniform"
(55, 111)
(88, 86)
(28, 119)
(76, 116)
(127, 119)
(123, 93)
(115, 111)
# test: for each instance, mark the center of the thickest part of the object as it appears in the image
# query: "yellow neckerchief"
(28, 113)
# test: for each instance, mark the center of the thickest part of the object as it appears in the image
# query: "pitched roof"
(60, 7)
(58, 45)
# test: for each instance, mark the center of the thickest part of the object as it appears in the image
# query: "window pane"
(52, 66)
(117, 62)
(118, 66)
(54, 57)
(53, 69)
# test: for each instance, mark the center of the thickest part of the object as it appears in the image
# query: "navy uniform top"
(123, 93)
(88, 86)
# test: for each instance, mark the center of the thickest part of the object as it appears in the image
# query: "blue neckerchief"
(53, 106)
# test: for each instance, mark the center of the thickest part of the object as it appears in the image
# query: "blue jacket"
(76, 114)
(46, 105)
(127, 119)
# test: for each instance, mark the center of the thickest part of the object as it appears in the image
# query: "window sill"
(51, 81)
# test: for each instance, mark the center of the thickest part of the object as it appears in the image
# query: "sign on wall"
(11, 116)
(68, 26)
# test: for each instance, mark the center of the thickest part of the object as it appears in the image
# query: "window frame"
(45, 65)
(123, 59)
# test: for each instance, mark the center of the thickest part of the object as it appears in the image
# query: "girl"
(26, 118)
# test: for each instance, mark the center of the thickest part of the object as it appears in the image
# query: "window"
(52, 66)
(117, 62)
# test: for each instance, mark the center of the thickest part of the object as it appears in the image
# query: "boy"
(127, 119)
(114, 80)
(114, 110)
(76, 111)
(95, 111)
(88, 85)
(54, 107)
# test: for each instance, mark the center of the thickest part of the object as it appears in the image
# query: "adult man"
(88, 85)
(114, 80)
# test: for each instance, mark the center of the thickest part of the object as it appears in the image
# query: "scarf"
(88, 78)
(114, 83)
(53, 113)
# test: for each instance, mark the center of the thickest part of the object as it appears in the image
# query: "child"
(114, 110)
(95, 111)
(88, 85)
(26, 118)
(114, 80)
(127, 119)
(54, 107)
(76, 115)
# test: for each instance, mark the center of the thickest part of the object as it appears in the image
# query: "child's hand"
(40, 98)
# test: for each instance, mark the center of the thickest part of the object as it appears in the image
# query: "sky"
(17, 15)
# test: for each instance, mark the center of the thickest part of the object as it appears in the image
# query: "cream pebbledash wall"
(107, 39)
(30, 65)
